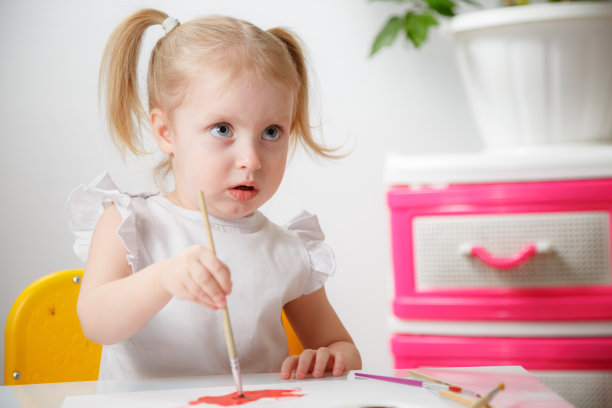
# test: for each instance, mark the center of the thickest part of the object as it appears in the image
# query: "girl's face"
(229, 141)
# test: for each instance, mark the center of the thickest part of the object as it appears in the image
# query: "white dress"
(270, 266)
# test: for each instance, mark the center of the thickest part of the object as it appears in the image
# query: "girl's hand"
(317, 362)
(197, 275)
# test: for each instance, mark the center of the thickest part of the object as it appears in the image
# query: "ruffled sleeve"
(86, 204)
(322, 261)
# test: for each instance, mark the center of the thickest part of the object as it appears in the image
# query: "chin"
(239, 213)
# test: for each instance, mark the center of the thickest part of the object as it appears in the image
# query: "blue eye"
(222, 130)
(271, 133)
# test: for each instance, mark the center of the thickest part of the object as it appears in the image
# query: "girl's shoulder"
(307, 229)
(87, 202)
(306, 226)
(102, 188)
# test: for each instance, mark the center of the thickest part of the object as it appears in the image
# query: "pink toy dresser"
(503, 258)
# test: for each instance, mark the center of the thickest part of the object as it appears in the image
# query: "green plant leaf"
(388, 34)
(417, 26)
(442, 7)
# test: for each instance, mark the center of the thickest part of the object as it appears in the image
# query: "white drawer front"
(579, 255)
(582, 389)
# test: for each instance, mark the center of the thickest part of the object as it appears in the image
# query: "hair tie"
(169, 24)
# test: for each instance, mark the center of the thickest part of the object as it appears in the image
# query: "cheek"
(277, 155)
(281, 168)
(193, 155)
(278, 171)
(186, 162)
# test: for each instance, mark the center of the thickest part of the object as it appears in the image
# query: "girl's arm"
(328, 347)
(114, 303)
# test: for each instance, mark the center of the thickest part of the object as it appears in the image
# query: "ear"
(161, 131)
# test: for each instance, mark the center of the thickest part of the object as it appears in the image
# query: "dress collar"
(247, 224)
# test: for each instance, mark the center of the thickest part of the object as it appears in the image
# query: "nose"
(248, 156)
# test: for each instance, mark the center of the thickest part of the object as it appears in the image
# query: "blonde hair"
(235, 46)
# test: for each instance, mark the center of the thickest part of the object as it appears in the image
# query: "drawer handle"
(522, 256)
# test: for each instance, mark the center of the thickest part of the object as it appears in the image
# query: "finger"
(195, 289)
(289, 364)
(339, 364)
(193, 293)
(304, 364)
(219, 271)
(207, 303)
(206, 284)
(322, 357)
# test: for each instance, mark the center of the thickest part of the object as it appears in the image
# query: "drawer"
(581, 353)
(581, 388)
(512, 251)
(578, 369)
(502, 328)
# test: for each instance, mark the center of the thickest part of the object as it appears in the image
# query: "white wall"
(53, 136)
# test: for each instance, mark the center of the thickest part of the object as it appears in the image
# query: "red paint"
(454, 388)
(249, 396)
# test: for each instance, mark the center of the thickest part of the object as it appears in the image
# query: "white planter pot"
(538, 74)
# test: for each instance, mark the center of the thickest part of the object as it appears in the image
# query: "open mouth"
(243, 192)
(244, 188)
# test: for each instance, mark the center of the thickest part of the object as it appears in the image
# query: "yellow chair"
(43, 338)
(295, 347)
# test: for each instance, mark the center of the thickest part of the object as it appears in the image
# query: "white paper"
(331, 394)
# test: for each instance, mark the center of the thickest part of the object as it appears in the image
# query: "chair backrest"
(295, 347)
(43, 337)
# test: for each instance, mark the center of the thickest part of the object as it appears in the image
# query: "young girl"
(227, 101)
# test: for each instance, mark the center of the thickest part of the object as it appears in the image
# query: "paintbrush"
(468, 402)
(484, 401)
(406, 381)
(439, 381)
(227, 327)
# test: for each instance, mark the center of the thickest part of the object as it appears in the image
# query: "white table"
(522, 388)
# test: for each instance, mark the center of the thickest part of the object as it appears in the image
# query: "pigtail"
(301, 123)
(118, 83)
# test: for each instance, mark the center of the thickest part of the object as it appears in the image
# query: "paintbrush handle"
(227, 326)
(404, 381)
(229, 335)
(211, 243)
(448, 384)
(484, 401)
(457, 398)
(426, 377)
